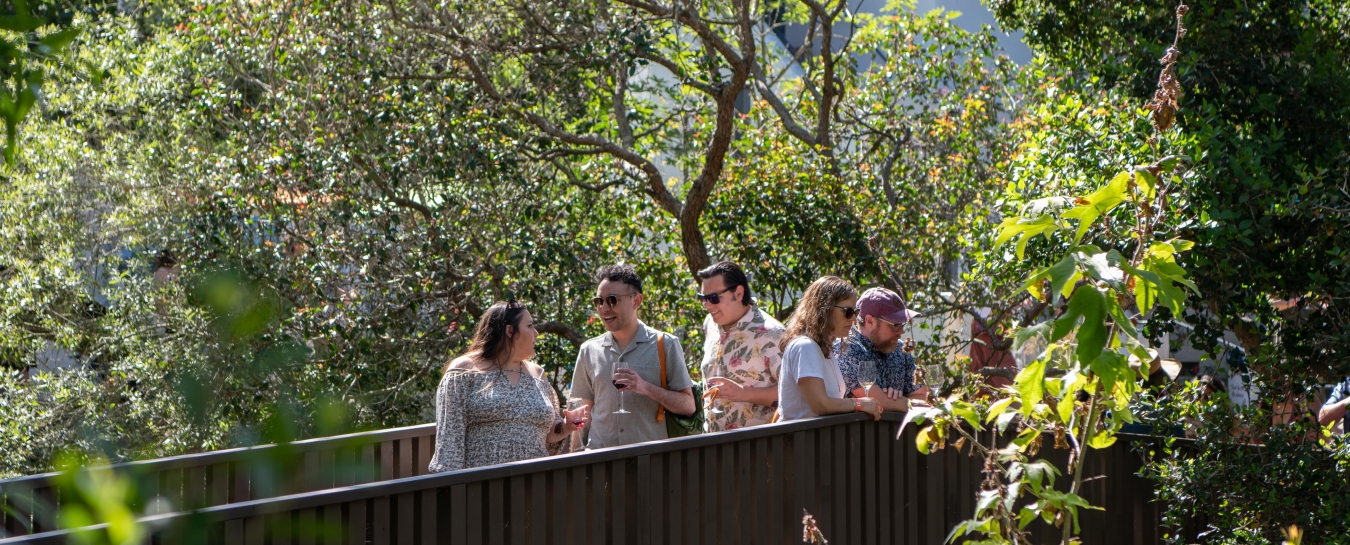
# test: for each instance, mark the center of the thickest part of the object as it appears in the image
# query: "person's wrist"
(857, 405)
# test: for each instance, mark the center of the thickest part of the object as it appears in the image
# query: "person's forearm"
(760, 396)
(884, 401)
(681, 402)
(1333, 412)
(567, 430)
(892, 405)
(832, 405)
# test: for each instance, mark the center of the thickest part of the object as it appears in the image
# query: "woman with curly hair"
(810, 383)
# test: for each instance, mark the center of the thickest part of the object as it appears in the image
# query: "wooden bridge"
(747, 486)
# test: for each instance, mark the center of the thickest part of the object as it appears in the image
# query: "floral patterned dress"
(746, 352)
(482, 419)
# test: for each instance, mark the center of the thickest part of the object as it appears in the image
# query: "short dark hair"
(732, 275)
(620, 273)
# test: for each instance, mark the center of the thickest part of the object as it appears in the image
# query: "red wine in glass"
(617, 385)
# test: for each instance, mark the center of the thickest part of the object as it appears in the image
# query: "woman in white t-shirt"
(809, 383)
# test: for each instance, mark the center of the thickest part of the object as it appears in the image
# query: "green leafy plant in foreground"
(1080, 387)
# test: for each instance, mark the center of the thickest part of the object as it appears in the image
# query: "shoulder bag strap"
(661, 355)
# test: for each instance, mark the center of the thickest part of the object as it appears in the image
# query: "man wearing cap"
(882, 318)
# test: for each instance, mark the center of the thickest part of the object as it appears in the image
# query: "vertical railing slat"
(564, 518)
(496, 511)
(581, 511)
(427, 516)
(538, 515)
(674, 504)
(404, 513)
(459, 511)
(380, 524)
(658, 470)
(624, 514)
(519, 510)
(474, 517)
(779, 475)
(356, 522)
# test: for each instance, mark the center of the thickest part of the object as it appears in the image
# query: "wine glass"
(621, 365)
(867, 374)
(572, 405)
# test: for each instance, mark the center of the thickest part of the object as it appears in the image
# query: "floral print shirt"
(746, 352)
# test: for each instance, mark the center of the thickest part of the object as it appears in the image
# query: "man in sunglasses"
(740, 351)
(882, 318)
(618, 374)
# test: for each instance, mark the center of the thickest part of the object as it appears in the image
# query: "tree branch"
(572, 177)
(562, 330)
(680, 73)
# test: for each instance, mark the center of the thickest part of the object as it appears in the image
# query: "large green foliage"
(1267, 121)
(1264, 98)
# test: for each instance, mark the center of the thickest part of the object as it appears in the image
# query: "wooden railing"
(747, 486)
(28, 504)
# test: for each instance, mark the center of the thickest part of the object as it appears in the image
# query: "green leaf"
(1072, 382)
(1026, 437)
(998, 408)
(1089, 302)
(27, 97)
(1104, 266)
(1059, 274)
(987, 499)
(967, 413)
(1029, 383)
(1005, 419)
(1112, 369)
(55, 42)
(917, 416)
(1146, 182)
(1025, 334)
(1065, 324)
(21, 23)
(1041, 474)
(967, 527)
(1126, 327)
(1099, 202)
(923, 442)
(1170, 162)
(1024, 230)
(1011, 494)
(1025, 516)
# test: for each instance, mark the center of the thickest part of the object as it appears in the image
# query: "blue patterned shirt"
(1341, 391)
(894, 370)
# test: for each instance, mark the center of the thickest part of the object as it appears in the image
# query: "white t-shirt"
(803, 359)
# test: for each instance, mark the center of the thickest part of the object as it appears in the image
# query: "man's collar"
(862, 340)
(746, 320)
(644, 335)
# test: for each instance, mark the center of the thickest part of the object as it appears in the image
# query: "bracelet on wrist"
(857, 405)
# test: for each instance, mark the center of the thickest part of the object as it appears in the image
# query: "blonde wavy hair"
(811, 318)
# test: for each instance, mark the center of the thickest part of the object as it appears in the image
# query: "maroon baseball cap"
(884, 304)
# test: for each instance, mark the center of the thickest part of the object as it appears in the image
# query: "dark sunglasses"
(610, 300)
(849, 312)
(713, 298)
